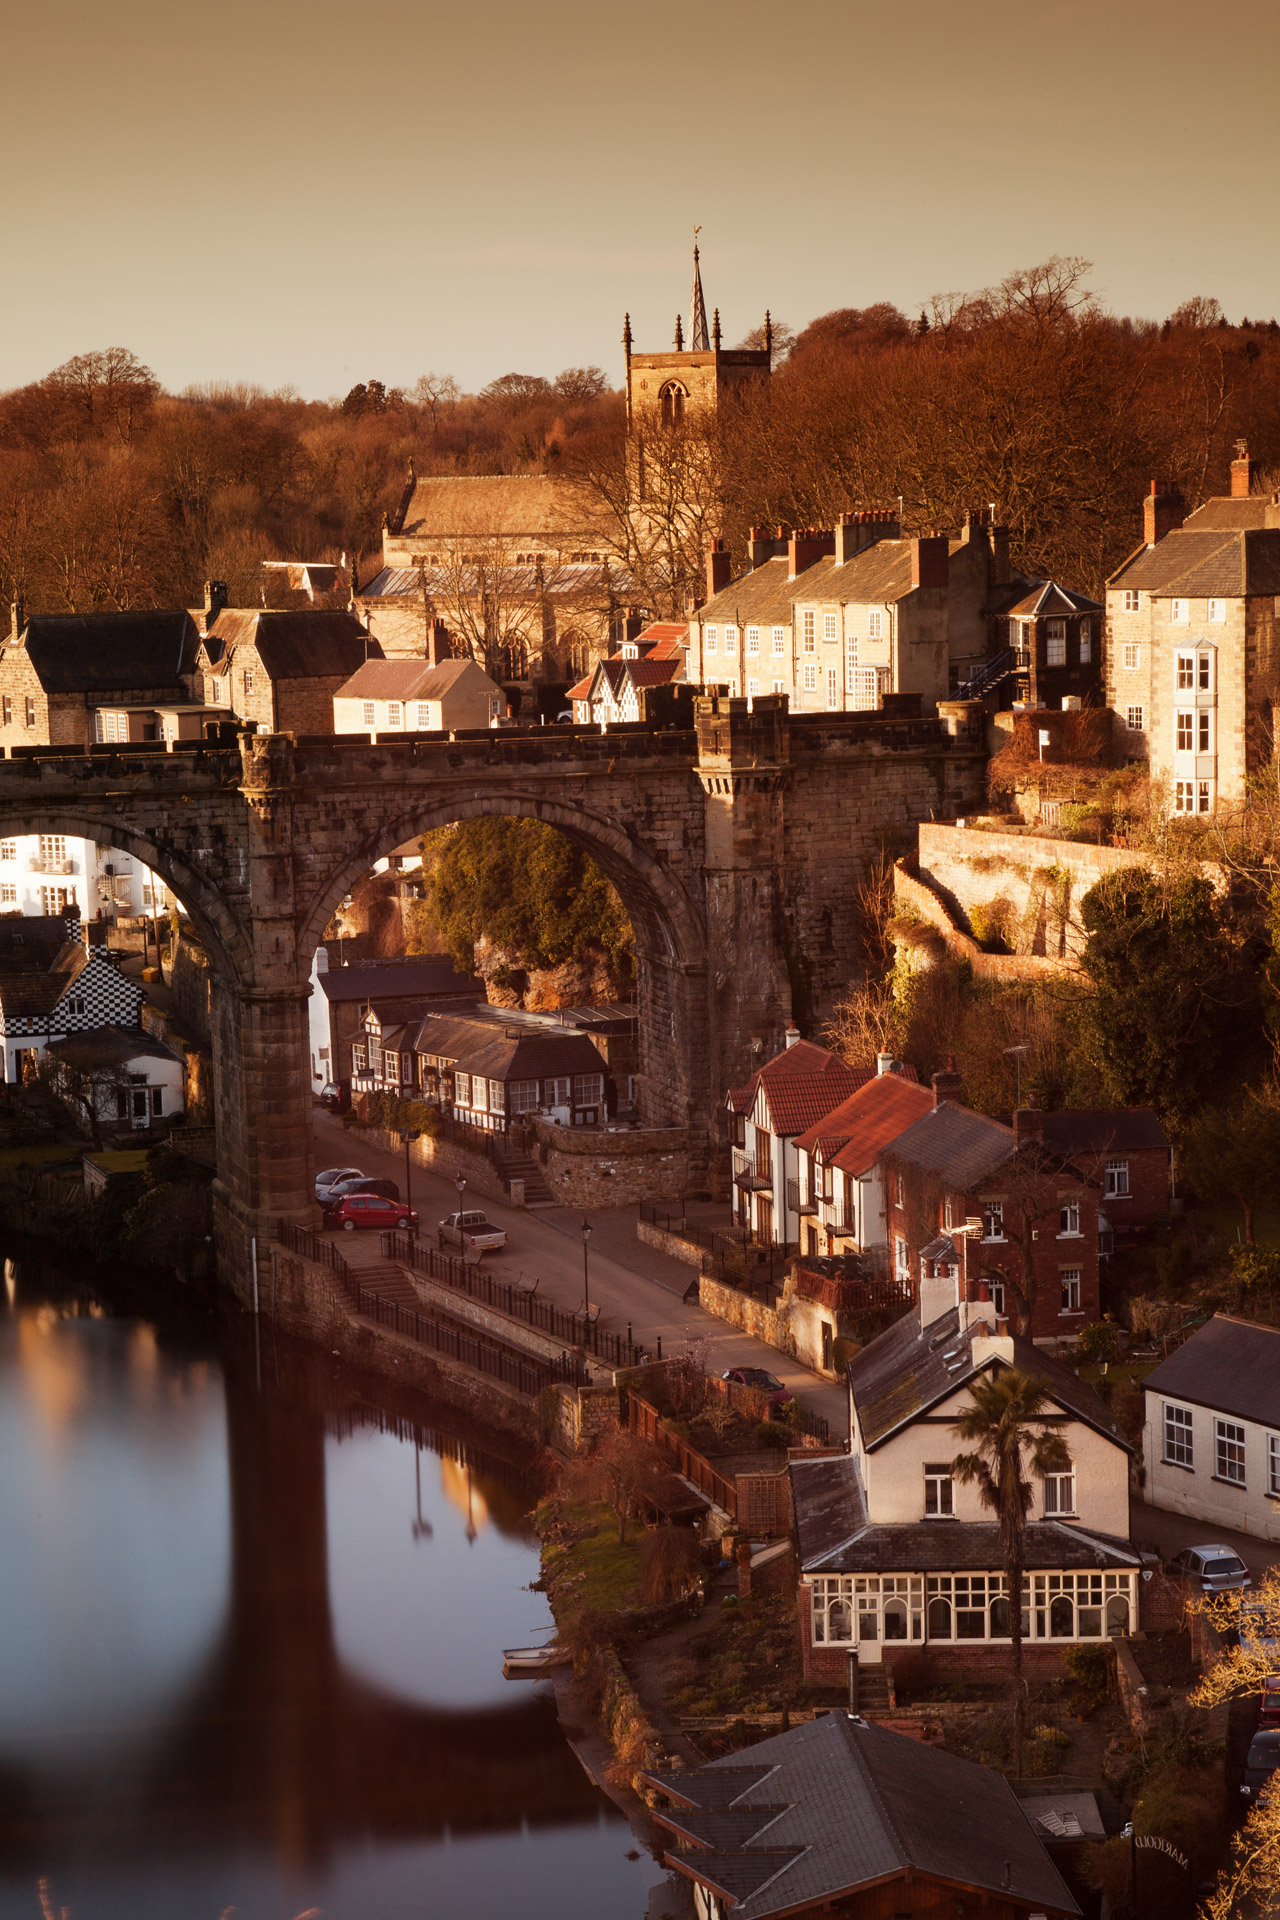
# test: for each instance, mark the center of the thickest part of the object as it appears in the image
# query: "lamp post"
(1017, 1053)
(408, 1188)
(585, 1231)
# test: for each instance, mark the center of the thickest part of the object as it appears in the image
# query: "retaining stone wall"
(741, 1310)
(597, 1167)
(673, 1243)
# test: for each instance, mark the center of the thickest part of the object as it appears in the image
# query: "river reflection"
(253, 1646)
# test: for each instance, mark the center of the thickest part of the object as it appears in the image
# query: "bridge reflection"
(278, 1745)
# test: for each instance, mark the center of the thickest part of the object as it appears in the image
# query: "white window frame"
(1060, 1494)
(1229, 1452)
(1071, 1279)
(939, 1491)
(1177, 1429)
(731, 641)
(423, 722)
(779, 642)
(808, 630)
(1184, 730)
(833, 687)
(395, 715)
(811, 678)
(1086, 642)
(753, 640)
(369, 713)
(830, 626)
(1134, 718)
(710, 639)
(992, 1215)
(901, 1257)
(1055, 643)
(1273, 1465)
(1131, 656)
(1180, 613)
(1216, 612)
(753, 688)
(1069, 1220)
(1184, 673)
(875, 624)
(1132, 600)
(1116, 1177)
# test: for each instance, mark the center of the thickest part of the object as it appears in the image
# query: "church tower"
(689, 379)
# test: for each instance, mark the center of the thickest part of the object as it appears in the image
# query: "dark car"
(1261, 1761)
(335, 1097)
(1269, 1711)
(763, 1381)
(1213, 1569)
(365, 1184)
(369, 1210)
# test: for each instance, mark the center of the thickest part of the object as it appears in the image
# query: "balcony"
(37, 863)
(749, 1173)
(795, 1204)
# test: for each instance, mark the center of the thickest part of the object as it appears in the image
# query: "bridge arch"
(219, 927)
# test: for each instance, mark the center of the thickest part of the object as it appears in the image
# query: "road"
(1168, 1533)
(642, 1293)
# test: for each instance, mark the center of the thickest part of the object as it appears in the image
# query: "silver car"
(1217, 1569)
(326, 1182)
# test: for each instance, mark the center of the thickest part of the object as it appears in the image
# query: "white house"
(135, 1079)
(52, 986)
(56, 873)
(839, 1158)
(782, 1100)
(394, 696)
(1211, 1441)
(897, 1557)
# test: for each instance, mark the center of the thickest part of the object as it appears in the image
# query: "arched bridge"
(736, 846)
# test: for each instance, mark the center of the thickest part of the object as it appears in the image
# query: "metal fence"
(517, 1299)
(469, 1349)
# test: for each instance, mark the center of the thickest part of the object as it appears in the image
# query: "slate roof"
(433, 977)
(113, 1047)
(878, 574)
(479, 1046)
(875, 1114)
(1252, 510)
(300, 643)
(30, 941)
(563, 578)
(830, 1508)
(26, 989)
(905, 1371)
(1047, 597)
(957, 1143)
(1105, 1130)
(407, 680)
(112, 652)
(802, 1084)
(861, 1804)
(490, 506)
(1230, 1365)
(1207, 562)
(761, 597)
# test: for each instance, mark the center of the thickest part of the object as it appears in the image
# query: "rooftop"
(302, 643)
(430, 975)
(1230, 1365)
(501, 1053)
(837, 1804)
(409, 680)
(1206, 562)
(868, 1120)
(801, 1084)
(106, 652)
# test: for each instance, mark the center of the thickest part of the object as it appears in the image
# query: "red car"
(369, 1210)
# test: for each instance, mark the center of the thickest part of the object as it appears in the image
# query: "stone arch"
(221, 931)
(672, 398)
(667, 924)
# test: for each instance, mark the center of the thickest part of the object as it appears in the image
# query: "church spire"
(699, 340)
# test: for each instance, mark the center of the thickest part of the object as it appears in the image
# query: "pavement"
(635, 1287)
(1168, 1533)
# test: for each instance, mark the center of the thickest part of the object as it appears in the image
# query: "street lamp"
(1017, 1053)
(585, 1231)
(460, 1182)
(408, 1188)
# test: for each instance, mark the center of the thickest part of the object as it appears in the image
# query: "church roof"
(489, 506)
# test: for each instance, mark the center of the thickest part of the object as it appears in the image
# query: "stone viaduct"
(736, 846)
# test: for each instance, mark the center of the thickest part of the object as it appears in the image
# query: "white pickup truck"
(472, 1232)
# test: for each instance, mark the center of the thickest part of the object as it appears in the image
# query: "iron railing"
(473, 1350)
(795, 1204)
(517, 1299)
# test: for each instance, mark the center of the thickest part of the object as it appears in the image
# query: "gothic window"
(673, 397)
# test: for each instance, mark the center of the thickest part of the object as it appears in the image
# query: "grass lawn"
(11, 1158)
(582, 1563)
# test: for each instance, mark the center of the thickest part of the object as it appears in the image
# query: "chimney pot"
(1163, 511)
(1244, 472)
(804, 548)
(215, 599)
(947, 1085)
(885, 1063)
(792, 1033)
(1028, 1121)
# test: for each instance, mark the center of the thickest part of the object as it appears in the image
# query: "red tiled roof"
(582, 689)
(802, 1083)
(651, 672)
(872, 1117)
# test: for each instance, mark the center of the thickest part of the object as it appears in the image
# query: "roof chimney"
(1164, 510)
(805, 547)
(947, 1085)
(930, 561)
(855, 532)
(215, 599)
(792, 1034)
(1001, 569)
(17, 619)
(764, 546)
(1244, 472)
(885, 1063)
(439, 645)
(718, 565)
(1028, 1121)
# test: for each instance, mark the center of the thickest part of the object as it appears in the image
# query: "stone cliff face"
(576, 983)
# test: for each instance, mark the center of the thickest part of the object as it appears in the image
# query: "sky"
(308, 196)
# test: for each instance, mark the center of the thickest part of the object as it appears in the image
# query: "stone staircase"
(514, 1164)
(874, 1694)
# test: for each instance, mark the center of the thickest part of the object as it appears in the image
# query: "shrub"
(669, 1560)
(1099, 1340)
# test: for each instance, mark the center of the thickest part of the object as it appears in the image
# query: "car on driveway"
(326, 1182)
(473, 1232)
(1261, 1761)
(387, 1188)
(764, 1382)
(368, 1210)
(1212, 1569)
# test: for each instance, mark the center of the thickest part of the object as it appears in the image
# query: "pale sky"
(313, 195)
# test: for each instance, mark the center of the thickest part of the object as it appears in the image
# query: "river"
(253, 1617)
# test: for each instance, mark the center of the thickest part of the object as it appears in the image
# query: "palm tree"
(1003, 1424)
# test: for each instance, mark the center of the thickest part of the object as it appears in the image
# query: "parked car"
(326, 1182)
(473, 1232)
(369, 1210)
(335, 1097)
(764, 1382)
(1261, 1761)
(1216, 1569)
(1269, 1711)
(387, 1188)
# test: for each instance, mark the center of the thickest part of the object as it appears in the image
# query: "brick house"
(1191, 638)
(75, 678)
(841, 1817)
(1125, 1152)
(279, 669)
(900, 1561)
(1211, 1440)
(782, 1100)
(1038, 1211)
